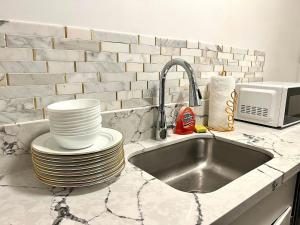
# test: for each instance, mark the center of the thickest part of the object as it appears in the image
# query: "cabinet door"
(285, 217)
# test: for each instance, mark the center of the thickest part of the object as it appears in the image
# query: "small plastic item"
(185, 122)
(199, 128)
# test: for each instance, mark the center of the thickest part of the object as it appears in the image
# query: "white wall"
(269, 25)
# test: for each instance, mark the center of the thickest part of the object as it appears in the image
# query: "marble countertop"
(136, 197)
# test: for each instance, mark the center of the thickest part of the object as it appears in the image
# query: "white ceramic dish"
(106, 138)
(75, 131)
(76, 141)
(74, 124)
(76, 134)
(74, 105)
(73, 116)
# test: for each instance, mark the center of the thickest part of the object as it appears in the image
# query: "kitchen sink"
(199, 165)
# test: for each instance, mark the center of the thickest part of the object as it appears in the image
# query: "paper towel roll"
(220, 91)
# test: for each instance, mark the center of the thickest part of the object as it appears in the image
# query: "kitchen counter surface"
(138, 198)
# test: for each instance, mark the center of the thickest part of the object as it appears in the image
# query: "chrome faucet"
(194, 95)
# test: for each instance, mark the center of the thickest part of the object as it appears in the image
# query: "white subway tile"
(144, 49)
(138, 85)
(3, 79)
(60, 67)
(238, 74)
(44, 101)
(250, 58)
(123, 77)
(101, 56)
(16, 27)
(78, 33)
(238, 56)
(210, 47)
(148, 76)
(202, 67)
(192, 44)
(2, 40)
(17, 41)
(156, 67)
(109, 106)
(103, 67)
(188, 58)
(23, 67)
(205, 75)
(20, 116)
(76, 44)
(260, 58)
(160, 58)
(103, 96)
(58, 55)
(134, 103)
(239, 51)
(218, 68)
(81, 77)
(256, 69)
(245, 68)
(166, 42)
(125, 95)
(192, 52)
(134, 67)
(67, 89)
(114, 47)
(26, 91)
(35, 79)
(204, 60)
(223, 55)
(232, 68)
(105, 87)
(244, 63)
(210, 54)
(146, 40)
(170, 51)
(138, 58)
(16, 54)
(114, 37)
(232, 62)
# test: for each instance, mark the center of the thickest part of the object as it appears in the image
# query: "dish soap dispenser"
(185, 122)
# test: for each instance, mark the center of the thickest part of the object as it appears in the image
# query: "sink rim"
(176, 141)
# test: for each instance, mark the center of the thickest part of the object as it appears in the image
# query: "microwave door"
(292, 107)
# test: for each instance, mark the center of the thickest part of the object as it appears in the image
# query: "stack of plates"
(56, 166)
(75, 123)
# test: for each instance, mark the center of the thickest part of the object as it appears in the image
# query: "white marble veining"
(138, 198)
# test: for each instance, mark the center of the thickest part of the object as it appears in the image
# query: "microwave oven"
(275, 104)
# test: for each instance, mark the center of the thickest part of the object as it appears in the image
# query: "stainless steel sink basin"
(199, 165)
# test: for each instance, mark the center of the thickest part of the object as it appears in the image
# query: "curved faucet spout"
(194, 94)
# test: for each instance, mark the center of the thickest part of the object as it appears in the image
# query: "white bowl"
(78, 105)
(76, 124)
(75, 131)
(77, 141)
(73, 116)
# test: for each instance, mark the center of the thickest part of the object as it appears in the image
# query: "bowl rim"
(87, 103)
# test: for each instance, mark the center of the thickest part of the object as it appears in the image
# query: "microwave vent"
(254, 110)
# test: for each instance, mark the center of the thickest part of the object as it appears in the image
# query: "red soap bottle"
(185, 122)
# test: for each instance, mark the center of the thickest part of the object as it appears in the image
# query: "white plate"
(107, 138)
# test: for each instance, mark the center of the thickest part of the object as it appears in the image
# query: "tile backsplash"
(41, 64)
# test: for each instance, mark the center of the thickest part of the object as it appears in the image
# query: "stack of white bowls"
(75, 123)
